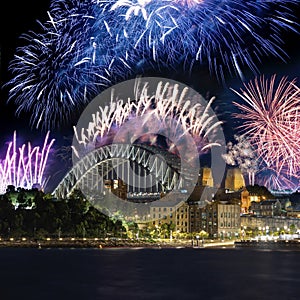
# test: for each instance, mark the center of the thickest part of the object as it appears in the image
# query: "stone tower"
(206, 177)
(234, 180)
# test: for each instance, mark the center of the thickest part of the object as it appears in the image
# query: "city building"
(229, 222)
(269, 225)
(294, 211)
(245, 201)
(234, 179)
(251, 195)
(170, 211)
(270, 208)
(219, 219)
(206, 177)
(267, 208)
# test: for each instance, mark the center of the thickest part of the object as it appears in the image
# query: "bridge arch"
(156, 170)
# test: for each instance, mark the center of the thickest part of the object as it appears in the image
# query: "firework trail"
(167, 107)
(53, 74)
(89, 45)
(225, 35)
(243, 155)
(271, 122)
(24, 167)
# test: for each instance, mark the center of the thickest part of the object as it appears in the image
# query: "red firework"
(271, 121)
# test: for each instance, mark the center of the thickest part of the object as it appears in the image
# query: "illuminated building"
(168, 211)
(219, 219)
(234, 179)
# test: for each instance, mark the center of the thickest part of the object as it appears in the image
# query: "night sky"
(20, 16)
(17, 17)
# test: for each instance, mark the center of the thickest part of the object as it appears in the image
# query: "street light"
(267, 229)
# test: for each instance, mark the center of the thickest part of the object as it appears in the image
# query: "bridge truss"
(145, 169)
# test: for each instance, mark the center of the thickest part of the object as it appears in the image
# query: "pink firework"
(271, 121)
(24, 166)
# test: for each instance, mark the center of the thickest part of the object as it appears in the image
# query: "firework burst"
(24, 166)
(90, 45)
(271, 121)
(243, 155)
(168, 111)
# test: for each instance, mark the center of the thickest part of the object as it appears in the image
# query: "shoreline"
(107, 243)
(280, 244)
(101, 243)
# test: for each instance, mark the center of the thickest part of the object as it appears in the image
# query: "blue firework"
(227, 36)
(89, 45)
(56, 73)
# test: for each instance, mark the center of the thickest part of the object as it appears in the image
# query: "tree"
(260, 191)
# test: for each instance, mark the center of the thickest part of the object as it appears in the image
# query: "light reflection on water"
(149, 274)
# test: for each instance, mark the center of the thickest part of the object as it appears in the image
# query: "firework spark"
(271, 122)
(52, 73)
(88, 46)
(243, 155)
(24, 167)
(148, 117)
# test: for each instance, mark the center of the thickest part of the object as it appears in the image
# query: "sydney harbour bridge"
(145, 169)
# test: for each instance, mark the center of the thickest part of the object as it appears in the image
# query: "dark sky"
(18, 17)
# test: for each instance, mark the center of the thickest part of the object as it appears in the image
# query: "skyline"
(201, 80)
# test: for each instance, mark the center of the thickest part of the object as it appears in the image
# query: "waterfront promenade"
(110, 243)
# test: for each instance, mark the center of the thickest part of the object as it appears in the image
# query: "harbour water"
(117, 273)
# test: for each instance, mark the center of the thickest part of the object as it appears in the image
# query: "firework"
(271, 122)
(54, 75)
(24, 166)
(243, 155)
(87, 46)
(167, 111)
(225, 35)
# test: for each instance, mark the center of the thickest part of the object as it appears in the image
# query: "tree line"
(35, 214)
